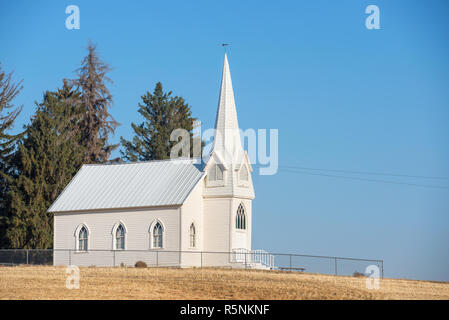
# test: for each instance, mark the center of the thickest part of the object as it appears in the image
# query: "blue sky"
(342, 96)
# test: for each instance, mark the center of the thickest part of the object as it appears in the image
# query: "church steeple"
(228, 167)
(227, 144)
(228, 187)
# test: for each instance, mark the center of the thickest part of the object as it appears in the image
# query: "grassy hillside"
(47, 282)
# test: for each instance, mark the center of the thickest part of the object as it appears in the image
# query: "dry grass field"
(47, 282)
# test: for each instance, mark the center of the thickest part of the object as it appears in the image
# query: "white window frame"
(77, 234)
(238, 221)
(195, 236)
(151, 233)
(114, 239)
(213, 181)
(213, 172)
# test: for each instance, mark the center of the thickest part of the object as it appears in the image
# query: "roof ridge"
(140, 162)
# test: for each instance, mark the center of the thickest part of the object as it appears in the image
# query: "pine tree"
(96, 123)
(162, 114)
(8, 114)
(47, 158)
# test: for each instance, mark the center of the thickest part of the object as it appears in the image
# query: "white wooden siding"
(100, 224)
(192, 211)
(217, 230)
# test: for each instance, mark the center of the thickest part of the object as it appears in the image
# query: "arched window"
(215, 173)
(82, 239)
(219, 172)
(192, 236)
(244, 173)
(157, 235)
(120, 238)
(240, 218)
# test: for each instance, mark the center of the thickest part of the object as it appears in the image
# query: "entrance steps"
(252, 259)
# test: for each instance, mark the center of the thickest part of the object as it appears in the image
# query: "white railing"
(263, 257)
(251, 257)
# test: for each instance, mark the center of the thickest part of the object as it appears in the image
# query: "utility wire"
(366, 179)
(362, 172)
(370, 173)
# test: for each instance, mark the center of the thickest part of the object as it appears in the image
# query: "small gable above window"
(244, 173)
(215, 173)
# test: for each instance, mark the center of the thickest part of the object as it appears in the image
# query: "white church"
(165, 213)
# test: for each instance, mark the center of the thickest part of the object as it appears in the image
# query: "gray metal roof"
(143, 184)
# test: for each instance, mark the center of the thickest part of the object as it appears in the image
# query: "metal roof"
(127, 185)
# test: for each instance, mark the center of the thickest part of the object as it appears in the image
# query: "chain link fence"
(163, 258)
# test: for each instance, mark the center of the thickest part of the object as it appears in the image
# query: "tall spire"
(227, 142)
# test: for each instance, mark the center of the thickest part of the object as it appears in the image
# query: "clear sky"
(343, 97)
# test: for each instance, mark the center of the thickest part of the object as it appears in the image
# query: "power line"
(367, 179)
(363, 172)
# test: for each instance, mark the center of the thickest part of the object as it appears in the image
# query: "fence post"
(201, 259)
(27, 256)
(245, 260)
(113, 257)
(336, 271)
(382, 269)
(70, 257)
(290, 262)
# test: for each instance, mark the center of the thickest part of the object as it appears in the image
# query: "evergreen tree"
(96, 123)
(162, 114)
(47, 158)
(8, 113)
